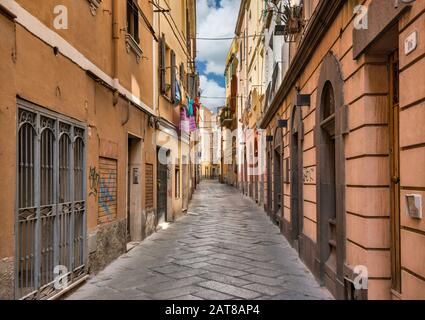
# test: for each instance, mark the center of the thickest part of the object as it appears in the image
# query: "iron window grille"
(51, 202)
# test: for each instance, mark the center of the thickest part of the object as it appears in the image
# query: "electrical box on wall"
(136, 175)
(414, 206)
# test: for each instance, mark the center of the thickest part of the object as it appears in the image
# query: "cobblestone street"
(224, 248)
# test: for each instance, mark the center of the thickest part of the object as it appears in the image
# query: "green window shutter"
(173, 76)
(197, 84)
(182, 77)
(162, 70)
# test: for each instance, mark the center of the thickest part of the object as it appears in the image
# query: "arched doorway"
(330, 157)
(277, 176)
(296, 157)
(328, 180)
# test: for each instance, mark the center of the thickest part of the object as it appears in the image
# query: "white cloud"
(215, 22)
(210, 88)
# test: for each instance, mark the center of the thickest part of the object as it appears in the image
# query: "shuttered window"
(133, 20)
(182, 74)
(162, 66)
(173, 75)
(149, 185)
(107, 203)
(188, 34)
(192, 84)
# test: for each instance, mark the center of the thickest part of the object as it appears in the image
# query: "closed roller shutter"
(108, 190)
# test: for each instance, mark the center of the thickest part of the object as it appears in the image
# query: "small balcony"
(226, 118)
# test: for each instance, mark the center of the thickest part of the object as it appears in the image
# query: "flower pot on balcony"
(293, 26)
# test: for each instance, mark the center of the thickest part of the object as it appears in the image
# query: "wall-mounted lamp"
(282, 123)
(279, 30)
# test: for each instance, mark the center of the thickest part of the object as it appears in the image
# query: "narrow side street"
(224, 248)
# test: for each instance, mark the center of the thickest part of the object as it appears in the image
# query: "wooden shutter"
(189, 86)
(173, 76)
(197, 84)
(107, 203)
(162, 70)
(188, 39)
(182, 75)
(191, 83)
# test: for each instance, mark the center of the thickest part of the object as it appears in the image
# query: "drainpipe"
(115, 41)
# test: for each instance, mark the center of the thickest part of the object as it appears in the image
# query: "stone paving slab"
(230, 289)
(225, 248)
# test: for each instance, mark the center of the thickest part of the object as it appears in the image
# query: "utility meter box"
(414, 206)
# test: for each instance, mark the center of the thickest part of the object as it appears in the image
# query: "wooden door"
(269, 183)
(394, 122)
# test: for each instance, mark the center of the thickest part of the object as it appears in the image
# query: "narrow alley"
(213, 150)
(217, 251)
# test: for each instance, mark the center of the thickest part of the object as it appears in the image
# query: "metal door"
(277, 174)
(185, 193)
(269, 184)
(51, 198)
(162, 191)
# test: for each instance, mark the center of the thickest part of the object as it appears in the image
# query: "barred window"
(51, 210)
(149, 185)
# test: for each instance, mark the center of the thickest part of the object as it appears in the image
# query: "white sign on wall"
(411, 42)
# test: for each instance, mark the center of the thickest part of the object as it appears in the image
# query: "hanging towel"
(178, 96)
(192, 124)
(195, 108)
(190, 106)
(184, 121)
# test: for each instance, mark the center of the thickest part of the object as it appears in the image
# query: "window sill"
(166, 97)
(132, 45)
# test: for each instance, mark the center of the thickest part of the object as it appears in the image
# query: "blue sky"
(216, 18)
(202, 66)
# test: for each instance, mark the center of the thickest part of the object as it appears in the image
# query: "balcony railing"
(226, 117)
(272, 87)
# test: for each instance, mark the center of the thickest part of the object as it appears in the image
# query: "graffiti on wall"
(93, 181)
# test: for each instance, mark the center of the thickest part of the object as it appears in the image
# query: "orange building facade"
(349, 157)
(79, 113)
